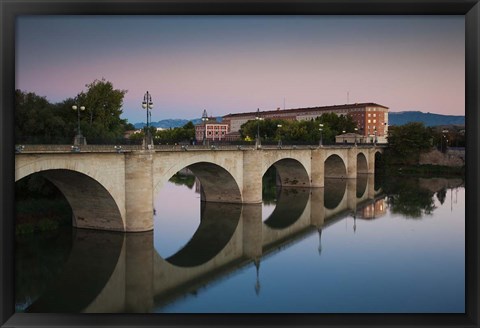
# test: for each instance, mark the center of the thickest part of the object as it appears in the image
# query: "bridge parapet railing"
(70, 148)
(127, 148)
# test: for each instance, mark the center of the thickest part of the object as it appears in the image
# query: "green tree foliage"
(450, 136)
(406, 197)
(180, 179)
(306, 132)
(39, 121)
(407, 142)
(185, 134)
(103, 107)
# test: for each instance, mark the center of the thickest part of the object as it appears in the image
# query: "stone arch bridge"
(115, 190)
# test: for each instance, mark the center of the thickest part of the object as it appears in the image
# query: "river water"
(365, 245)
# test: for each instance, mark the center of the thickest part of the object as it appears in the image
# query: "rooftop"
(318, 108)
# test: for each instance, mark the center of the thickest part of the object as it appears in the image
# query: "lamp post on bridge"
(375, 133)
(356, 129)
(79, 139)
(279, 136)
(148, 105)
(258, 143)
(320, 143)
(204, 120)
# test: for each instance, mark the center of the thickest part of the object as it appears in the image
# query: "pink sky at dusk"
(241, 63)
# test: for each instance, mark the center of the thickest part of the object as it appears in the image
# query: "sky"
(234, 64)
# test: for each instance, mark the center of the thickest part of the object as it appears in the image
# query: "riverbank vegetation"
(406, 143)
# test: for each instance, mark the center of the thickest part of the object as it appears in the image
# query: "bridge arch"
(95, 201)
(93, 207)
(362, 163)
(291, 172)
(335, 167)
(219, 179)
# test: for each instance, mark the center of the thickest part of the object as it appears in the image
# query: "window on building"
(374, 121)
(369, 121)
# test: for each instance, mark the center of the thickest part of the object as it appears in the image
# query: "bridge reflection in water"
(117, 272)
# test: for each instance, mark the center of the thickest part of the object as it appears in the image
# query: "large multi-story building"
(371, 118)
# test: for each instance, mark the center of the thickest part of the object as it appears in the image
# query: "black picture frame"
(10, 9)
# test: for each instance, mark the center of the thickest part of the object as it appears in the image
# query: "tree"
(299, 131)
(406, 142)
(176, 135)
(103, 107)
(39, 121)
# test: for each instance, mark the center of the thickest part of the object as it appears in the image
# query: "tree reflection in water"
(414, 197)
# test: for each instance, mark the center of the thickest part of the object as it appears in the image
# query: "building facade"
(371, 118)
(211, 130)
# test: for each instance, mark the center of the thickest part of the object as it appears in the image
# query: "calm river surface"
(393, 245)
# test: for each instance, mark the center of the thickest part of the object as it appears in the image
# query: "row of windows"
(374, 115)
(216, 127)
(224, 127)
(216, 133)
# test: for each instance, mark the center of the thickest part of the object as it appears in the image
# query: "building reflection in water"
(116, 272)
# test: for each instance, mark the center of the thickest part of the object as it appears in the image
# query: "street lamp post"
(79, 139)
(204, 120)
(320, 143)
(343, 132)
(279, 136)
(375, 133)
(356, 129)
(148, 105)
(258, 143)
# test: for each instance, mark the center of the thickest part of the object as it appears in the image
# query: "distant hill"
(429, 119)
(170, 123)
(165, 124)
